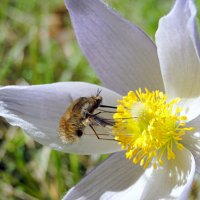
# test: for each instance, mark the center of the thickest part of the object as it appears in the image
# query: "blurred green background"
(37, 46)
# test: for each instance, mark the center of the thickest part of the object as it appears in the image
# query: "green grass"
(37, 46)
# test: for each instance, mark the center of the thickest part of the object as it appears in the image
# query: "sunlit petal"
(190, 107)
(192, 141)
(178, 51)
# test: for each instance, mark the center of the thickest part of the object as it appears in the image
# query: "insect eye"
(99, 101)
(79, 133)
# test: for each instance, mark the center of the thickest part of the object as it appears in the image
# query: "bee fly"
(79, 115)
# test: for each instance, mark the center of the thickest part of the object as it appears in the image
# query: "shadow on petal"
(118, 178)
(173, 180)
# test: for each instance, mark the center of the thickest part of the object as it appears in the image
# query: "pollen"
(149, 127)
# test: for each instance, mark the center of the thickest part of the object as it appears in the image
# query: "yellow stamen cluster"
(149, 127)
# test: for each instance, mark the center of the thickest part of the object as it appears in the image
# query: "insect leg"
(93, 115)
(105, 106)
(98, 135)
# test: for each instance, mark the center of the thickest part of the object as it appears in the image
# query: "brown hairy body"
(77, 117)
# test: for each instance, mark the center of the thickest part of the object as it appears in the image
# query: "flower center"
(149, 127)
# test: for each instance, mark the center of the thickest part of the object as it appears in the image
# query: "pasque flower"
(157, 122)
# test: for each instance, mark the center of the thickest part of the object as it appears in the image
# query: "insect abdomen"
(67, 131)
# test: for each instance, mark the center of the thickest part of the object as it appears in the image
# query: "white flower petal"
(174, 180)
(178, 51)
(37, 110)
(115, 175)
(192, 141)
(118, 179)
(122, 55)
(190, 107)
